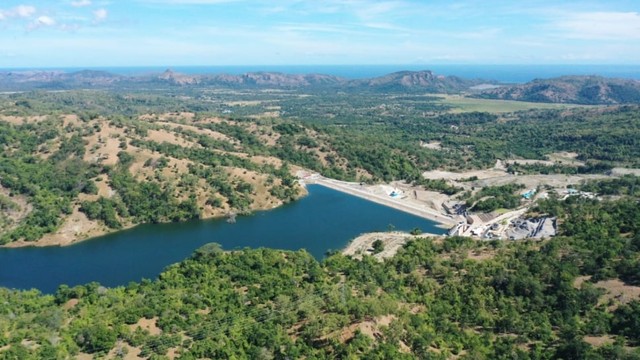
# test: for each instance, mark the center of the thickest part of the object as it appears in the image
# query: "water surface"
(325, 219)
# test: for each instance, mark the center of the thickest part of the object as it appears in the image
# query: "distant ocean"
(502, 73)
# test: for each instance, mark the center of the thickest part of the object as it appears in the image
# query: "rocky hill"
(419, 81)
(592, 90)
(425, 81)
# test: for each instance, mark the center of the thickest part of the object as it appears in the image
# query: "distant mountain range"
(570, 89)
(404, 81)
(566, 89)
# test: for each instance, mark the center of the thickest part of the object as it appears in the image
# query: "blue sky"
(76, 33)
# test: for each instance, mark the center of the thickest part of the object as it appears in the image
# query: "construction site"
(455, 215)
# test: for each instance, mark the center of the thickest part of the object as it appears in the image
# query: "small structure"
(458, 229)
(529, 194)
(575, 192)
(454, 207)
(532, 228)
(479, 231)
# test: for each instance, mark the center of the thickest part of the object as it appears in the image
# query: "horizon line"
(312, 65)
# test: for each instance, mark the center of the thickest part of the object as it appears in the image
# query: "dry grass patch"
(70, 304)
(618, 292)
(199, 130)
(266, 160)
(262, 198)
(75, 227)
(577, 283)
(481, 254)
(149, 325)
(71, 119)
(20, 120)
(104, 145)
(171, 116)
(565, 158)
(363, 244)
(161, 136)
(370, 328)
(17, 214)
(598, 341)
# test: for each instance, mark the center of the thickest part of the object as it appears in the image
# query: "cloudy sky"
(75, 33)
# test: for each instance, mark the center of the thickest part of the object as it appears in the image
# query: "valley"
(539, 203)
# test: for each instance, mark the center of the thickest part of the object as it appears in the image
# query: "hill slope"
(84, 176)
(591, 90)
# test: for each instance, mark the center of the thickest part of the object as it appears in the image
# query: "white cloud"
(24, 10)
(81, 3)
(20, 11)
(100, 15)
(41, 21)
(600, 25)
(45, 21)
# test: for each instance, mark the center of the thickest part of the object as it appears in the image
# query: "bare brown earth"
(104, 145)
(624, 171)
(617, 292)
(433, 145)
(370, 328)
(161, 136)
(598, 341)
(495, 177)
(149, 325)
(76, 227)
(107, 139)
(19, 120)
(198, 130)
(565, 158)
(393, 241)
(481, 255)
(14, 216)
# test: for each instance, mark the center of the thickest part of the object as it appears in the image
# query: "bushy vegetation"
(491, 198)
(51, 184)
(522, 301)
(432, 300)
(45, 162)
(625, 185)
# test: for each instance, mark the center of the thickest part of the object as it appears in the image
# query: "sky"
(101, 33)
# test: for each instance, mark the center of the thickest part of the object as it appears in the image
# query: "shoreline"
(49, 240)
(444, 222)
(351, 189)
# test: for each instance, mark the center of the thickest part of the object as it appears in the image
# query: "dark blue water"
(324, 220)
(502, 73)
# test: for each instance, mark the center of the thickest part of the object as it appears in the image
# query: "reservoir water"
(324, 220)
